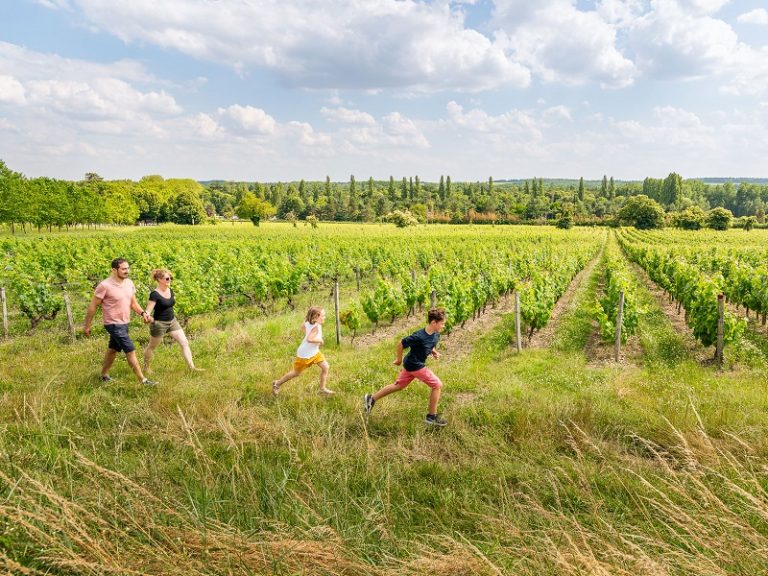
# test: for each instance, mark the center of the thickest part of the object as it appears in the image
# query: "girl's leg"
(186, 351)
(324, 367)
(149, 351)
(287, 376)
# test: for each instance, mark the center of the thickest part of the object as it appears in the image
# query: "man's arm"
(139, 310)
(92, 306)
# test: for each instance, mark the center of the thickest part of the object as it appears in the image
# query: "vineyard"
(609, 443)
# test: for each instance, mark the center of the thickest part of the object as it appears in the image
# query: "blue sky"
(282, 90)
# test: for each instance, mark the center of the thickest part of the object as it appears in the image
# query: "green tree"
(719, 219)
(581, 189)
(692, 218)
(641, 212)
(254, 209)
(672, 190)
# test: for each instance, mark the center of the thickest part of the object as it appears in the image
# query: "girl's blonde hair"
(313, 314)
(159, 273)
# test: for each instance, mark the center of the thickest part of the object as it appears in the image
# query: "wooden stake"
(518, 339)
(336, 306)
(5, 312)
(619, 322)
(70, 322)
(720, 330)
(432, 299)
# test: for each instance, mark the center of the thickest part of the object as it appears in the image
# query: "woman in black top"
(160, 306)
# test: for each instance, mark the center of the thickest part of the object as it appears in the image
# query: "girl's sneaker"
(435, 420)
(326, 392)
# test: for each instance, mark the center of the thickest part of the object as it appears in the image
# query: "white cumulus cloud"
(339, 44)
(756, 16)
(560, 43)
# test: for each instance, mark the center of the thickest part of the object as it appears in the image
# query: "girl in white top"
(308, 352)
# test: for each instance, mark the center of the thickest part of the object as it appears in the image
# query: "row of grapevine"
(617, 279)
(465, 288)
(216, 267)
(695, 291)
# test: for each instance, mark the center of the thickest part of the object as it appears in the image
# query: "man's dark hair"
(436, 315)
(117, 261)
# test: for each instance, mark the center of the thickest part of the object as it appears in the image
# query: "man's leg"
(134, 363)
(109, 359)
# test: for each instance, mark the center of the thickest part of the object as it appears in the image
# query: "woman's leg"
(186, 351)
(149, 351)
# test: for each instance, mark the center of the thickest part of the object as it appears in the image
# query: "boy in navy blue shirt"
(421, 344)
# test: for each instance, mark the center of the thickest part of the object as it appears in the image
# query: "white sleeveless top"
(307, 349)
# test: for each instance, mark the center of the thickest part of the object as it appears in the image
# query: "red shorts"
(424, 374)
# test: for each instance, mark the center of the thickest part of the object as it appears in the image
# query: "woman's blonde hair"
(313, 314)
(159, 273)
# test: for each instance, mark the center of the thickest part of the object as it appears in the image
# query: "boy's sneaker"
(435, 420)
(148, 382)
(368, 403)
(107, 378)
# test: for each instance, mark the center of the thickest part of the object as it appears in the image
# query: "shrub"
(719, 219)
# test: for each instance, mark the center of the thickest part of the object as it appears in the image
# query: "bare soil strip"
(677, 320)
(543, 338)
(600, 353)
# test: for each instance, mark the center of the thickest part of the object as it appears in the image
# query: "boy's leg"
(434, 398)
(403, 379)
(428, 377)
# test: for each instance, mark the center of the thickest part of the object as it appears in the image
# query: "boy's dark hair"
(436, 315)
(116, 263)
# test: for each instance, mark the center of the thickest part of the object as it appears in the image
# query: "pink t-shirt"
(115, 300)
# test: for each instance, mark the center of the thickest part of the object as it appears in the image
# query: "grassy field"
(554, 461)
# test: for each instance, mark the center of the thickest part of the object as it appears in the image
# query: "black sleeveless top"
(163, 306)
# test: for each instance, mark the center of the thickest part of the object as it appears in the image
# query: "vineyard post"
(719, 348)
(413, 274)
(336, 306)
(518, 340)
(619, 322)
(357, 277)
(5, 312)
(70, 322)
(432, 299)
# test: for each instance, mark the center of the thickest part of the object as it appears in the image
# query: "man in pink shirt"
(117, 297)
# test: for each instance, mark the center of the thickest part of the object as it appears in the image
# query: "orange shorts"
(301, 364)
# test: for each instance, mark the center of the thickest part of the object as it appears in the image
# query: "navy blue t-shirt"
(420, 344)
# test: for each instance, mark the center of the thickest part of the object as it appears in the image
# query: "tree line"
(48, 202)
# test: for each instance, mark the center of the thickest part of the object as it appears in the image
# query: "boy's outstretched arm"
(398, 354)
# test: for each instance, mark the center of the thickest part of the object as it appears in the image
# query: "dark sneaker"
(148, 382)
(368, 403)
(435, 420)
(107, 378)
